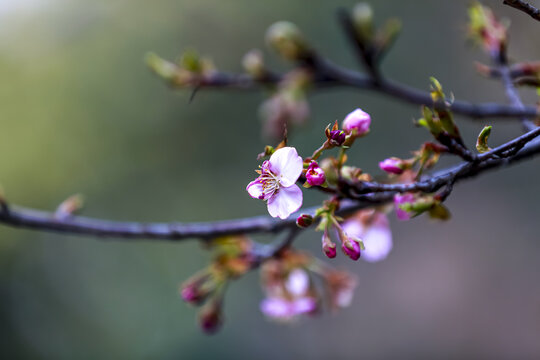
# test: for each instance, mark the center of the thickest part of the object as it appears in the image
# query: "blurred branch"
(328, 74)
(525, 7)
(506, 73)
(266, 251)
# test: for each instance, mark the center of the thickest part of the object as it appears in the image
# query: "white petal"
(286, 165)
(285, 202)
(378, 243)
(354, 228)
(297, 283)
(255, 189)
(344, 297)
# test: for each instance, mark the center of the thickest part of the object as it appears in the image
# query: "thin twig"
(332, 75)
(525, 7)
(449, 176)
(512, 94)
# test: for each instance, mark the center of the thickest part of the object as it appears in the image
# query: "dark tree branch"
(328, 74)
(365, 195)
(46, 221)
(415, 96)
(525, 7)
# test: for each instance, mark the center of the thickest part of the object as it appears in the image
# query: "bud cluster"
(192, 70)
(206, 288)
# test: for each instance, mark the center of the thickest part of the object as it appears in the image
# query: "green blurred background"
(80, 112)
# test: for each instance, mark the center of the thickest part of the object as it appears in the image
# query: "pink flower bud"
(337, 137)
(392, 165)
(304, 221)
(358, 120)
(329, 248)
(400, 199)
(210, 319)
(197, 289)
(190, 295)
(315, 175)
(351, 248)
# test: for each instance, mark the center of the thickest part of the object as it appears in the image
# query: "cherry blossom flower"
(340, 285)
(358, 120)
(374, 230)
(291, 299)
(276, 183)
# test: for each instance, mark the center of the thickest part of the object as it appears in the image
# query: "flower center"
(270, 183)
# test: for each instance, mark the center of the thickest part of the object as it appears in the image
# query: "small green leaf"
(447, 122)
(436, 89)
(440, 212)
(422, 122)
(433, 125)
(481, 142)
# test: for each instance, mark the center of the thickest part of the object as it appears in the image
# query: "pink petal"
(378, 243)
(304, 305)
(276, 308)
(285, 202)
(287, 165)
(255, 189)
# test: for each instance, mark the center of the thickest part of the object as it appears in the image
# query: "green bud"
(439, 211)
(389, 32)
(433, 126)
(436, 89)
(253, 63)
(418, 206)
(481, 142)
(350, 173)
(70, 206)
(191, 61)
(287, 40)
(448, 124)
(362, 17)
(422, 204)
(161, 67)
(330, 170)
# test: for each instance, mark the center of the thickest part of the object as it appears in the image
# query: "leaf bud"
(287, 40)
